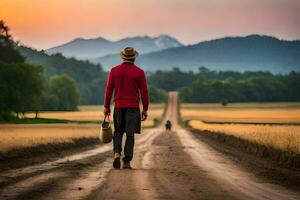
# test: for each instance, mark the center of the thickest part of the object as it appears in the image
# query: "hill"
(249, 53)
(93, 48)
(89, 77)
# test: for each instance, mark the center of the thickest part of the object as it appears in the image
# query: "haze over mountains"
(249, 53)
(93, 48)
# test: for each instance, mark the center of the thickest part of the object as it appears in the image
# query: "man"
(129, 84)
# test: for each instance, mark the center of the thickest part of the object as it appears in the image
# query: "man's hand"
(106, 112)
(144, 115)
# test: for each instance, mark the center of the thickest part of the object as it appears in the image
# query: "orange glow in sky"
(46, 23)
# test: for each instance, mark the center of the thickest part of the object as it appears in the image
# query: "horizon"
(155, 36)
(55, 22)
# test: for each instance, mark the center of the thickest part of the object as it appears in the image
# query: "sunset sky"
(46, 23)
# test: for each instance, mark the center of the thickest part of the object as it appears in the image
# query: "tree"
(66, 90)
(8, 53)
(224, 102)
(20, 83)
(171, 80)
(49, 102)
(157, 95)
(242, 87)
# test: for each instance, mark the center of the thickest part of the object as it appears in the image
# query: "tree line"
(89, 77)
(222, 86)
(24, 87)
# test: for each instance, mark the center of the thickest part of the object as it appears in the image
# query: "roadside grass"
(262, 105)
(255, 123)
(20, 136)
(288, 157)
(19, 157)
(39, 135)
(50, 121)
(273, 132)
(256, 113)
(284, 138)
(87, 114)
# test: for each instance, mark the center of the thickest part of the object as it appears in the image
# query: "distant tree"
(66, 90)
(95, 91)
(49, 102)
(157, 95)
(8, 53)
(224, 102)
(242, 87)
(171, 80)
(203, 70)
(20, 83)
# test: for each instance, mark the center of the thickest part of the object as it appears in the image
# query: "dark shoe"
(117, 161)
(126, 165)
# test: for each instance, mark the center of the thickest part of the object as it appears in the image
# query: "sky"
(43, 24)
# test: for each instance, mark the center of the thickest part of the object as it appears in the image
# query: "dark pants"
(126, 120)
(129, 145)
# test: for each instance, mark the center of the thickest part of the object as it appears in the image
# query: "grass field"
(266, 124)
(15, 136)
(95, 113)
(288, 113)
(285, 138)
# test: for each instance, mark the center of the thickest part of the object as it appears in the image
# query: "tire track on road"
(70, 174)
(129, 184)
(226, 173)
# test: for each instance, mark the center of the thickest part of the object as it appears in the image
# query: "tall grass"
(18, 136)
(95, 113)
(284, 138)
(27, 135)
(243, 112)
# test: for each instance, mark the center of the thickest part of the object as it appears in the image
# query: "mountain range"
(92, 48)
(247, 53)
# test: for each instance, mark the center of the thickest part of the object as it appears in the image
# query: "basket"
(106, 134)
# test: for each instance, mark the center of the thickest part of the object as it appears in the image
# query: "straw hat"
(129, 53)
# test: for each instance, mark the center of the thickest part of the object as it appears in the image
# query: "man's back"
(129, 83)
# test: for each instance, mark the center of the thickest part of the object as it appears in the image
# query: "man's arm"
(144, 95)
(108, 93)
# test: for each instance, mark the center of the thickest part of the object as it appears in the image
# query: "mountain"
(93, 48)
(249, 53)
(89, 77)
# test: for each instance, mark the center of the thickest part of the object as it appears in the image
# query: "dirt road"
(167, 165)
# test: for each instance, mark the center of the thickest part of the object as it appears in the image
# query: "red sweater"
(129, 83)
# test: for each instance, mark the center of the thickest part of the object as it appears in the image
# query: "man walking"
(129, 85)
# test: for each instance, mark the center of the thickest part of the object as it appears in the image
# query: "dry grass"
(263, 105)
(253, 113)
(285, 138)
(90, 113)
(282, 137)
(16, 136)
(84, 113)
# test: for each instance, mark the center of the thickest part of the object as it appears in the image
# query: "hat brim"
(126, 57)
